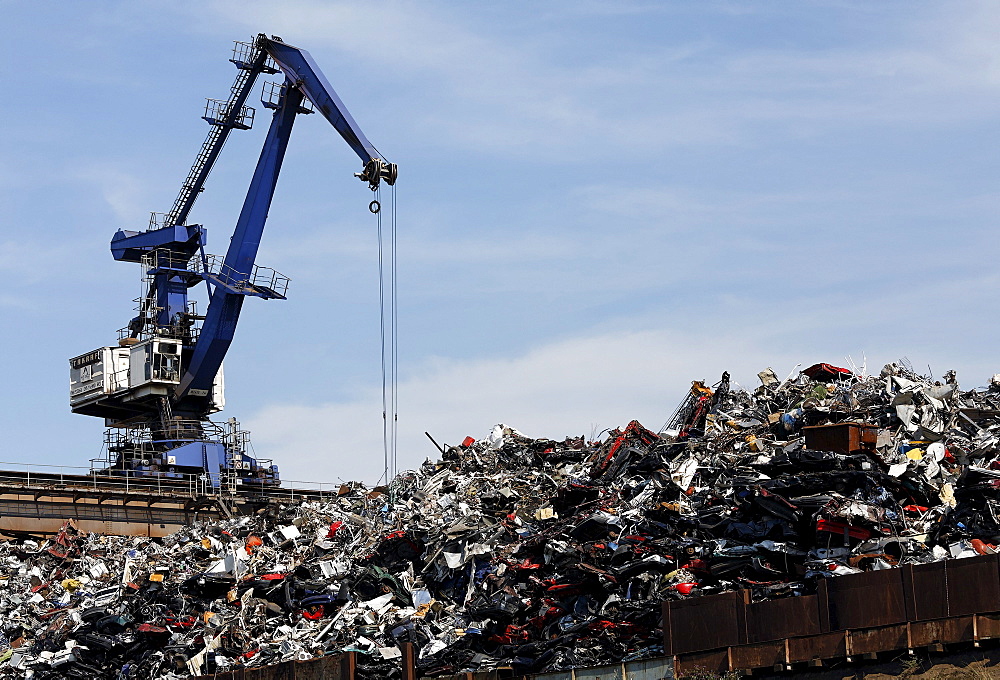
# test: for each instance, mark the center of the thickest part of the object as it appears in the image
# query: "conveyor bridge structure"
(35, 500)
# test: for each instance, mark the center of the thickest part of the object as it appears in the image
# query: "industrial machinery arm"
(158, 387)
(236, 279)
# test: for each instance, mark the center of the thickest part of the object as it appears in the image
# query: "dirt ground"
(977, 664)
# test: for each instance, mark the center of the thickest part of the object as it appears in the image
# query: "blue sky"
(598, 203)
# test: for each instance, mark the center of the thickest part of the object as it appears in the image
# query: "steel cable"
(395, 344)
(381, 309)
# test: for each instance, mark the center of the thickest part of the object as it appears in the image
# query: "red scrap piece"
(565, 589)
(314, 613)
(526, 564)
(150, 629)
(827, 372)
(982, 547)
(183, 622)
(835, 527)
(601, 624)
(511, 635)
(697, 565)
(468, 441)
(634, 431)
(334, 527)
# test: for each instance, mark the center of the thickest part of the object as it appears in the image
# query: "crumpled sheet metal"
(535, 554)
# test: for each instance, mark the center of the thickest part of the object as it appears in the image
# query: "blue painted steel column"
(224, 308)
(171, 298)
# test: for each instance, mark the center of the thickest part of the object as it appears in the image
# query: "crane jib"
(300, 69)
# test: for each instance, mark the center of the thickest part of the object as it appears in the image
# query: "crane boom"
(303, 78)
(230, 283)
(302, 72)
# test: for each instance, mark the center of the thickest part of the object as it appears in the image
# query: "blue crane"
(157, 388)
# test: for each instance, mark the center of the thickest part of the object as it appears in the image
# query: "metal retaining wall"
(341, 667)
(925, 605)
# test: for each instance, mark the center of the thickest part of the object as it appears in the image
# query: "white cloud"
(513, 96)
(127, 194)
(571, 387)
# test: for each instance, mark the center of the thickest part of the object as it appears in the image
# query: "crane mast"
(157, 388)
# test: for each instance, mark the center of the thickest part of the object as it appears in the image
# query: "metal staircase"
(223, 116)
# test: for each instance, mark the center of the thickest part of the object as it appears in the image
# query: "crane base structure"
(36, 500)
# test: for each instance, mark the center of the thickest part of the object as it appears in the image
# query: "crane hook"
(374, 207)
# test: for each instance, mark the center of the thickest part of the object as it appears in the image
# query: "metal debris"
(533, 554)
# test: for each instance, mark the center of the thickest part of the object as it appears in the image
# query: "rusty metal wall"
(925, 590)
(323, 668)
(778, 619)
(703, 623)
(841, 437)
(973, 585)
(926, 633)
(952, 588)
(874, 598)
(914, 606)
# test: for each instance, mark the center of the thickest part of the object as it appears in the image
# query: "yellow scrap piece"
(947, 495)
(698, 389)
(545, 513)
(915, 454)
(70, 584)
(156, 578)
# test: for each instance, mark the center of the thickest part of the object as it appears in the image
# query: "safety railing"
(187, 335)
(94, 478)
(177, 429)
(258, 278)
(244, 54)
(164, 258)
(217, 112)
(82, 478)
(290, 490)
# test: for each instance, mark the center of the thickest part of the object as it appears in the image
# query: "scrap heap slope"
(529, 553)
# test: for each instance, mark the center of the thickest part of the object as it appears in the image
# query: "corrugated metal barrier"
(860, 615)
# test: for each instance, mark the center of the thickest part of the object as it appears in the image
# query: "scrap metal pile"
(532, 553)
